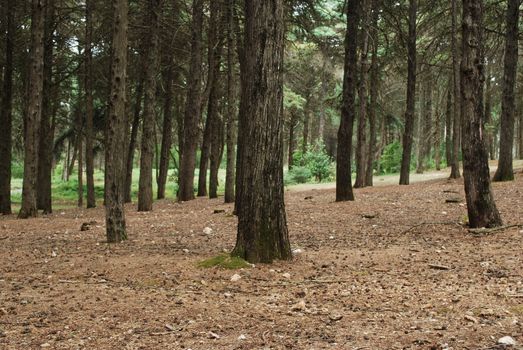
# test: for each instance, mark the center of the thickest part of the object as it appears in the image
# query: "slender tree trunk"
(231, 122)
(132, 141)
(425, 126)
(34, 111)
(115, 129)
(505, 171)
(306, 126)
(437, 138)
(482, 211)
(521, 132)
(216, 156)
(488, 113)
(448, 125)
(80, 169)
(6, 107)
(262, 224)
(89, 104)
(411, 95)
(192, 108)
(204, 158)
(372, 107)
(361, 158)
(145, 191)
(167, 128)
(292, 141)
(348, 109)
(456, 132)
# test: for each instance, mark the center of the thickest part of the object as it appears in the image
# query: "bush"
(17, 170)
(298, 175)
(390, 161)
(319, 162)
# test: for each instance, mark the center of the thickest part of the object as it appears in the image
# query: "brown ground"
(360, 283)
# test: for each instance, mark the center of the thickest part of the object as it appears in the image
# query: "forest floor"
(396, 269)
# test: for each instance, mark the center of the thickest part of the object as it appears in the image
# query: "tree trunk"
(411, 95)
(34, 111)
(80, 168)
(361, 158)
(482, 211)
(437, 133)
(262, 224)
(132, 141)
(6, 108)
(192, 108)
(167, 131)
(448, 125)
(505, 171)
(292, 141)
(45, 149)
(216, 156)
(306, 126)
(425, 126)
(456, 132)
(145, 191)
(521, 132)
(348, 109)
(231, 110)
(89, 104)
(372, 107)
(488, 113)
(115, 129)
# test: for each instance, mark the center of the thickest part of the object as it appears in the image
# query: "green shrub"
(17, 170)
(319, 162)
(390, 161)
(298, 175)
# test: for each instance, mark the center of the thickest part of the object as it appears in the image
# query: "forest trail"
(387, 180)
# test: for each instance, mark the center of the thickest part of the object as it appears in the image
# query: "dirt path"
(387, 180)
(370, 275)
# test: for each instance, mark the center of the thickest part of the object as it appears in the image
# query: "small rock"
(300, 306)
(286, 275)
(213, 335)
(185, 251)
(335, 317)
(207, 230)
(45, 345)
(242, 337)
(169, 328)
(507, 341)
(236, 278)
(471, 319)
(297, 251)
(53, 254)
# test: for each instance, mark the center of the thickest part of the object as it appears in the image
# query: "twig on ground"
(449, 223)
(439, 267)
(486, 231)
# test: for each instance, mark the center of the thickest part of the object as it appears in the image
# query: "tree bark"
(262, 224)
(192, 108)
(292, 141)
(425, 123)
(488, 114)
(145, 191)
(34, 111)
(132, 141)
(411, 95)
(456, 132)
(89, 104)
(115, 129)
(361, 158)
(80, 166)
(505, 171)
(482, 211)
(348, 109)
(448, 125)
(6, 108)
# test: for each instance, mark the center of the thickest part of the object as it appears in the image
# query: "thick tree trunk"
(482, 211)
(115, 129)
(6, 107)
(456, 125)
(361, 159)
(167, 131)
(45, 148)
(34, 111)
(231, 110)
(192, 108)
(372, 107)
(505, 171)
(262, 224)
(348, 109)
(145, 191)
(132, 141)
(411, 95)
(89, 105)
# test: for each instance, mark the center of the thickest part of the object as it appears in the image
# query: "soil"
(396, 269)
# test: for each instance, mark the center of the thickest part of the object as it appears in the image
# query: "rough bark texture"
(132, 141)
(262, 224)
(448, 125)
(456, 125)
(348, 109)
(231, 111)
(482, 211)
(192, 108)
(115, 129)
(488, 114)
(167, 131)
(505, 171)
(373, 105)
(6, 107)
(425, 127)
(145, 190)
(361, 159)
(80, 168)
(89, 105)
(45, 148)
(411, 96)
(33, 111)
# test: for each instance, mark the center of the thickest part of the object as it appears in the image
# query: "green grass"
(224, 261)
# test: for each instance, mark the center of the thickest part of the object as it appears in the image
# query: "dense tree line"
(175, 86)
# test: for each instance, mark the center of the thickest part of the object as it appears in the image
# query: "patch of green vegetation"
(224, 261)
